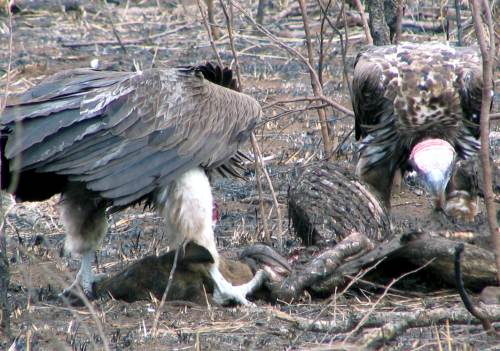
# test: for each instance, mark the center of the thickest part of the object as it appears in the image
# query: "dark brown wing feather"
(125, 134)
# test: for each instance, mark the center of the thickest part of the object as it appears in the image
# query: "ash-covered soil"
(45, 41)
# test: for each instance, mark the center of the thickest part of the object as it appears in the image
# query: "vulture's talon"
(74, 298)
(225, 293)
(462, 206)
(285, 291)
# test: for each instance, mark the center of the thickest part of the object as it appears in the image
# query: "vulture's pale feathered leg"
(187, 204)
(84, 219)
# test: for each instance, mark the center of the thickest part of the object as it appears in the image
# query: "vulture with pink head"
(417, 106)
(107, 139)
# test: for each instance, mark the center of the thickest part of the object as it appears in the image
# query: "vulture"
(107, 140)
(417, 106)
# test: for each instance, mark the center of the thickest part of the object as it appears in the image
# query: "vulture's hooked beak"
(434, 160)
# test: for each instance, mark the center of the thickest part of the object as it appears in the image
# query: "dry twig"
(295, 53)
(259, 163)
(165, 293)
(315, 82)
(373, 306)
(265, 226)
(4, 261)
(366, 28)
(478, 7)
(209, 33)
(389, 324)
(479, 314)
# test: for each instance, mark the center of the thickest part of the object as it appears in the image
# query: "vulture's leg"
(380, 176)
(462, 193)
(320, 269)
(187, 205)
(84, 218)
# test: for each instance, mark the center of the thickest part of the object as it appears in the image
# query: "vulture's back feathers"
(124, 134)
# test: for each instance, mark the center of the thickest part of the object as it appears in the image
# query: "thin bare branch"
(315, 82)
(211, 19)
(265, 226)
(293, 52)
(373, 306)
(479, 314)
(231, 43)
(269, 182)
(458, 17)
(167, 289)
(5, 329)
(255, 144)
(366, 28)
(487, 53)
(399, 21)
(209, 33)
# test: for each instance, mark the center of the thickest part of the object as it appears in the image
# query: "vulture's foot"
(225, 293)
(461, 205)
(321, 269)
(85, 279)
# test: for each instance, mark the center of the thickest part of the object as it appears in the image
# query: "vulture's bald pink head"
(433, 160)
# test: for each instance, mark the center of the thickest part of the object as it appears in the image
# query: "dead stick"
(265, 228)
(4, 260)
(399, 21)
(273, 193)
(167, 288)
(458, 18)
(255, 144)
(487, 56)
(459, 249)
(373, 306)
(366, 28)
(343, 47)
(315, 82)
(231, 43)
(421, 319)
(333, 300)
(293, 52)
(211, 19)
(209, 33)
(288, 101)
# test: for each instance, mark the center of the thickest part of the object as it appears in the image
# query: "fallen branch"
(367, 315)
(392, 324)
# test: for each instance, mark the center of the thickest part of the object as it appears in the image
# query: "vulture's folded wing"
(125, 134)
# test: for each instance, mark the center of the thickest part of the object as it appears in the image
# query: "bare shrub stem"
(487, 53)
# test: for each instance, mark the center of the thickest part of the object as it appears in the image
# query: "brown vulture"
(417, 106)
(108, 140)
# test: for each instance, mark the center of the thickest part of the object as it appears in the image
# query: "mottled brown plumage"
(403, 95)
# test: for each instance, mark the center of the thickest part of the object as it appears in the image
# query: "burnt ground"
(47, 40)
